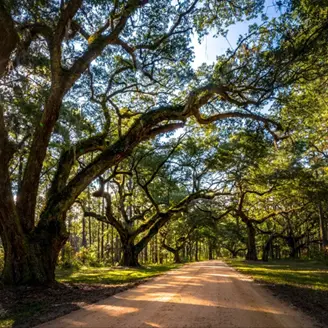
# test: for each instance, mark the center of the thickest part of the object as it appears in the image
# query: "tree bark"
(156, 260)
(265, 255)
(30, 259)
(8, 38)
(251, 243)
(176, 255)
(130, 254)
(291, 242)
(174, 251)
(267, 248)
(210, 250)
(196, 251)
(190, 251)
(117, 249)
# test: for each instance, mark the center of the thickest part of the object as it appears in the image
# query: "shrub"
(67, 259)
(70, 265)
(85, 256)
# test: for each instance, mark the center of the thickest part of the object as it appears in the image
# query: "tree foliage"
(90, 90)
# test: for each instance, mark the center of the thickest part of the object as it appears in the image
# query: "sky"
(211, 47)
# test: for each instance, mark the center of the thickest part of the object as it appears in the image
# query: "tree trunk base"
(265, 256)
(250, 256)
(130, 257)
(32, 261)
(177, 259)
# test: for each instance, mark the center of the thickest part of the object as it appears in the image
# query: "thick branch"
(68, 11)
(169, 248)
(101, 218)
(98, 41)
(165, 216)
(68, 157)
(8, 38)
(27, 199)
(107, 219)
(273, 214)
(144, 128)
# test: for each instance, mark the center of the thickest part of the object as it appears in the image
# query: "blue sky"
(211, 47)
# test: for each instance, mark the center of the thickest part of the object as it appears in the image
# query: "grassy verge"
(301, 283)
(112, 275)
(27, 306)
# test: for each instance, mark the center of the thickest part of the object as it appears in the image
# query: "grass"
(26, 306)
(298, 273)
(112, 275)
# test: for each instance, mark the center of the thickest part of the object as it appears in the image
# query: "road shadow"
(313, 302)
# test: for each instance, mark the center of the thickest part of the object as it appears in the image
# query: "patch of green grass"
(111, 275)
(298, 273)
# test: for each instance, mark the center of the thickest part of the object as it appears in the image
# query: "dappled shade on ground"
(203, 294)
(304, 284)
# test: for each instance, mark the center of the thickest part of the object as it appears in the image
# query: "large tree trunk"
(234, 254)
(251, 244)
(117, 249)
(293, 253)
(30, 255)
(177, 256)
(210, 250)
(130, 251)
(267, 247)
(30, 259)
(218, 251)
(265, 255)
(174, 251)
(196, 251)
(292, 247)
(130, 255)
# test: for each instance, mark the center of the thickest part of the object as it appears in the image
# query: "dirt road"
(203, 294)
